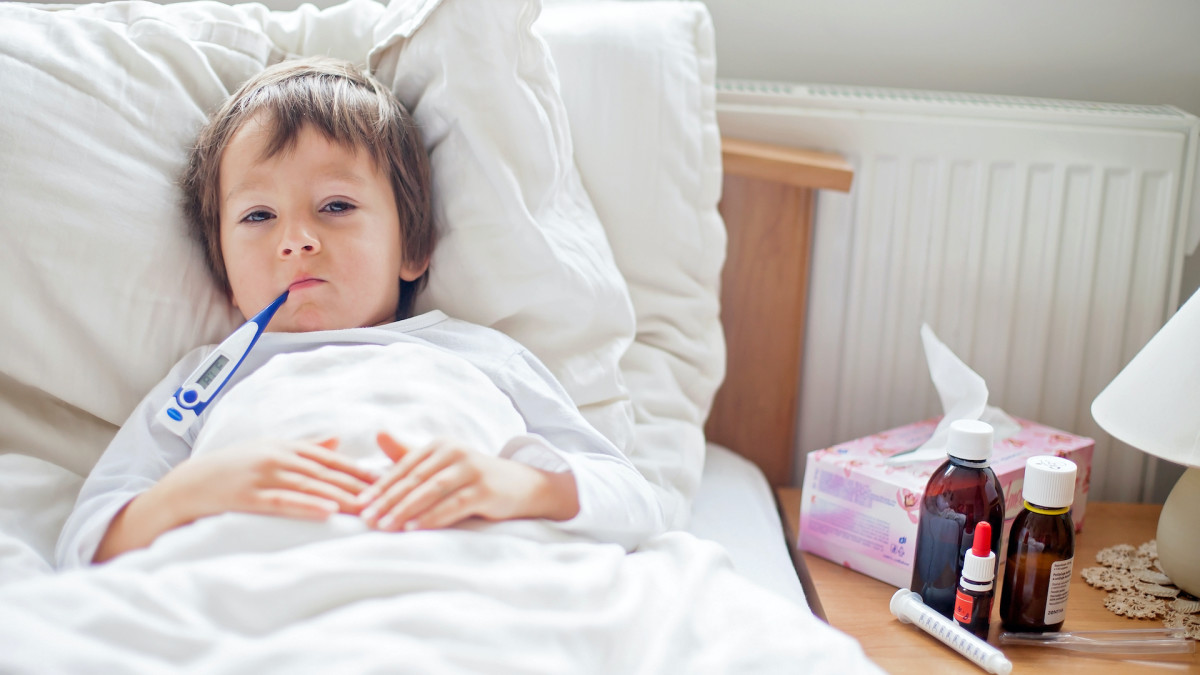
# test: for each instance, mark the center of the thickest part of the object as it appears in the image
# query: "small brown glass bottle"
(961, 493)
(973, 602)
(1041, 549)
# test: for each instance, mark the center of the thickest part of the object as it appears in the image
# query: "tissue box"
(862, 513)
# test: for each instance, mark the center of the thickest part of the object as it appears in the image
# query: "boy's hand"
(445, 482)
(281, 478)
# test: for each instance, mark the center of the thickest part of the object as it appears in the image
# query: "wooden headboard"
(767, 203)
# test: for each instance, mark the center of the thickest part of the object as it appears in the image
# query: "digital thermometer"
(206, 381)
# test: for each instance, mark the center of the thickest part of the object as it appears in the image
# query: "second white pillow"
(520, 246)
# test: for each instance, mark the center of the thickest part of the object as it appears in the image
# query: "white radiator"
(1042, 240)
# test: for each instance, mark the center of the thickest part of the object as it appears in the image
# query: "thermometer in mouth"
(184, 407)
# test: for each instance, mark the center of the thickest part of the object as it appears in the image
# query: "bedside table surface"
(858, 605)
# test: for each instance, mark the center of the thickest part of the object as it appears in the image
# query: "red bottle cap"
(982, 545)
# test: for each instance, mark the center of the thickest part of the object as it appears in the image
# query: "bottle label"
(1056, 591)
(963, 604)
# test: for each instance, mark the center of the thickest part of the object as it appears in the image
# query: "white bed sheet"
(736, 508)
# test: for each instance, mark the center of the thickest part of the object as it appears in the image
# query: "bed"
(578, 168)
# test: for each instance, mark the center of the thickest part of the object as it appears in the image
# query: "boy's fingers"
(399, 471)
(450, 511)
(395, 510)
(293, 505)
(390, 446)
(433, 463)
(349, 478)
(400, 483)
(329, 443)
(318, 487)
(338, 463)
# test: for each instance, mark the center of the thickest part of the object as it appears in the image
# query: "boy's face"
(319, 220)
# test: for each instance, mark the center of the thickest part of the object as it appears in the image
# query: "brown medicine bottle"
(1041, 549)
(961, 493)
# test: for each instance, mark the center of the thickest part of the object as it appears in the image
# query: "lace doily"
(1139, 589)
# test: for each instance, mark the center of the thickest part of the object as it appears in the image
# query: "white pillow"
(103, 290)
(520, 247)
(643, 120)
(343, 31)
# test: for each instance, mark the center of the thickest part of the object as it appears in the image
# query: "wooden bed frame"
(767, 204)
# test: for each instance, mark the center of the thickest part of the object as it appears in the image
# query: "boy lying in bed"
(312, 179)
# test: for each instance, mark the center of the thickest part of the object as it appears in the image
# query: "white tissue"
(964, 396)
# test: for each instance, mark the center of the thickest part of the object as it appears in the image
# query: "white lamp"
(1154, 405)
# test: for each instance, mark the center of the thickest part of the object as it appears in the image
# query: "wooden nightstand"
(858, 605)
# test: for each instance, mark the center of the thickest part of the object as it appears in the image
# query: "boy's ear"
(411, 271)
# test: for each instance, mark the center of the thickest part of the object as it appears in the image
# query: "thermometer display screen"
(212, 371)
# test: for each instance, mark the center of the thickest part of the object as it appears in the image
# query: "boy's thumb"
(390, 446)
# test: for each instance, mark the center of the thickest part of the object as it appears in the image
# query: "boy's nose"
(287, 249)
(298, 239)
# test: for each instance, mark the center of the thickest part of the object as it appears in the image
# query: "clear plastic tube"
(1127, 641)
(907, 606)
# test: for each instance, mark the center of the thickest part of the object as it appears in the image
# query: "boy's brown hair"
(349, 107)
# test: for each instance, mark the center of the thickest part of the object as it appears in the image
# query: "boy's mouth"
(306, 282)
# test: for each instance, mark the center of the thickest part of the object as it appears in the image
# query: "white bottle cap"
(970, 440)
(979, 570)
(1049, 481)
(979, 563)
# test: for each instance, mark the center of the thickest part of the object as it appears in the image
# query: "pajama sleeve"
(616, 503)
(139, 455)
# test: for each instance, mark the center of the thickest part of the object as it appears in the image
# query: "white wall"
(1118, 51)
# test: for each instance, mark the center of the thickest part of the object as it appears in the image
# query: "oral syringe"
(907, 606)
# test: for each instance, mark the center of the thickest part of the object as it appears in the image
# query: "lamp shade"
(1153, 404)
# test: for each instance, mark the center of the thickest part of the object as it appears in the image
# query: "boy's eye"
(258, 217)
(338, 207)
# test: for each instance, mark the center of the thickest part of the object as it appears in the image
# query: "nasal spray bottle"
(976, 590)
(961, 493)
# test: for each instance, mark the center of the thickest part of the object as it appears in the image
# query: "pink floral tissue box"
(861, 513)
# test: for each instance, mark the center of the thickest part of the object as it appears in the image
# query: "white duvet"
(241, 593)
(250, 594)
